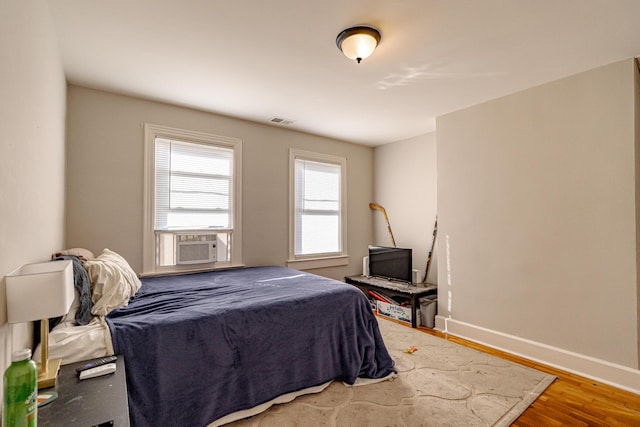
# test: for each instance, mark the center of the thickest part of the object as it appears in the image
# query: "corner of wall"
(405, 183)
(636, 72)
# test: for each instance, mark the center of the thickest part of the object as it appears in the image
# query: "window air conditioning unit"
(198, 248)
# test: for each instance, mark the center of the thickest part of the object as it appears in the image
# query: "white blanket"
(73, 343)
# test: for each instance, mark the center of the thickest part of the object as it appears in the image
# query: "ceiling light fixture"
(358, 42)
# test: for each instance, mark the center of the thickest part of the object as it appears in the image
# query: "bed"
(209, 347)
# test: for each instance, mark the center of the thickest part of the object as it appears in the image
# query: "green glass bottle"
(20, 407)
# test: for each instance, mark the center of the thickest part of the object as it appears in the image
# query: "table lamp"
(38, 292)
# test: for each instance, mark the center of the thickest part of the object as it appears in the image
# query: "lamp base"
(48, 378)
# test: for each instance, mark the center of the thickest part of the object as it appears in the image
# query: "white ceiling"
(259, 59)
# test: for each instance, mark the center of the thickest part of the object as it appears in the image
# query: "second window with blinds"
(317, 229)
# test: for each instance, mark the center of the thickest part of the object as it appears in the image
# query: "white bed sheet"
(73, 343)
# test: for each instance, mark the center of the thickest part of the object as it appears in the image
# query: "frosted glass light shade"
(39, 291)
(358, 42)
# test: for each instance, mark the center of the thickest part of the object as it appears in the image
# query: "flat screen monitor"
(390, 263)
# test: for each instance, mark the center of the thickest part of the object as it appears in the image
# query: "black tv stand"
(394, 288)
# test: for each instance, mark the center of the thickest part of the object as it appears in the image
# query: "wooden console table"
(394, 288)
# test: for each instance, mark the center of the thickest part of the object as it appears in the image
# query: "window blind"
(193, 185)
(317, 207)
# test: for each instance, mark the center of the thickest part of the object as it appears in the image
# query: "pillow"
(83, 254)
(113, 281)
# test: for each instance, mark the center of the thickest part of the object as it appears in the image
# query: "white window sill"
(311, 263)
(176, 271)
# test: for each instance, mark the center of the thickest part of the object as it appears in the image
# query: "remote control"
(97, 362)
(109, 368)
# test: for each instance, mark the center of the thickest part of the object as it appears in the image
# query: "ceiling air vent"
(282, 121)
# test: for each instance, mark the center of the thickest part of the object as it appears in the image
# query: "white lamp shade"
(39, 291)
(359, 46)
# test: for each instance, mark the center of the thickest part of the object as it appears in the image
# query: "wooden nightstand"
(89, 402)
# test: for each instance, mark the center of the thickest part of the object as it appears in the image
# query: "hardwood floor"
(571, 400)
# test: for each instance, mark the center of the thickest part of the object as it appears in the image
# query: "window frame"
(310, 261)
(153, 131)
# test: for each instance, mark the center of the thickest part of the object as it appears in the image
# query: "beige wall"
(536, 197)
(32, 111)
(105, 173)
(405, 185)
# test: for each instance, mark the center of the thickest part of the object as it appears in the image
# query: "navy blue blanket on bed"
(200, 346)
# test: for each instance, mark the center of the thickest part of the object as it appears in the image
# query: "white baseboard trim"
(615, 375)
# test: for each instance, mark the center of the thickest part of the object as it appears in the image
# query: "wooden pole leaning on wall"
(386, 218)
(433, 243)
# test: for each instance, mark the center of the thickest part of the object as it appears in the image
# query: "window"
(192, 200)
(318, 210)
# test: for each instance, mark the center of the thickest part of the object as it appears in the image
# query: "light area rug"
(439, 384)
